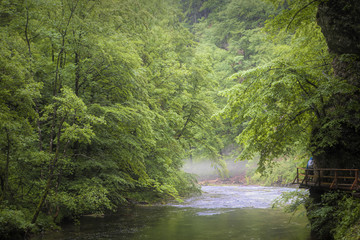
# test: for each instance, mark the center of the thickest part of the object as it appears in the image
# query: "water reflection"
(234, 224)
(221, 213)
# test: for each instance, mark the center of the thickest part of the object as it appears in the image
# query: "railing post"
(297, 175)
(336, 182)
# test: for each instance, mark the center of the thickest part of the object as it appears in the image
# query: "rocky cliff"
(340, 24)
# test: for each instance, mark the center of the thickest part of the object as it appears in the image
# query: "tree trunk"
(5, 177)
(52, 167)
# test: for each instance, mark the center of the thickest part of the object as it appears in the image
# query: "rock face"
(340, 24)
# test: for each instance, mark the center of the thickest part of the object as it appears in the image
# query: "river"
(221, 213)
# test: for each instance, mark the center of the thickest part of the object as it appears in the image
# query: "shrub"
(13, 224)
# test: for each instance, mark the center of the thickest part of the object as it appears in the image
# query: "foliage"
(100, 102)
(230, 33)
(278, 172)
(281, 102)
(348, 214)
(337, 214)
(12, 223)
(318, 117)
(292, 201)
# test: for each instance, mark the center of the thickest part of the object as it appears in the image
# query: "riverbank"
(236, 180)
(242, 180)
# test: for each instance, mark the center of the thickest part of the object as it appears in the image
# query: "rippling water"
(234, 197)
(221, 213)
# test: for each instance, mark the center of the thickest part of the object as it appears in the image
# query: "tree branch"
(301, 9)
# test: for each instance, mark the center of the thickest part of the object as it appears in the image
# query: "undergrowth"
(335, 216)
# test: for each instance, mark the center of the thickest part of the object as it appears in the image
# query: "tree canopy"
(100, 103)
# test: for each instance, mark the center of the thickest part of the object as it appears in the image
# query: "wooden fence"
(328, 178)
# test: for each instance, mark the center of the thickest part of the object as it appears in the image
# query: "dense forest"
(102, 101)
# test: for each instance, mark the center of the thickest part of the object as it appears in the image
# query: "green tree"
(281, 102)
(101, 102)
(231, 34)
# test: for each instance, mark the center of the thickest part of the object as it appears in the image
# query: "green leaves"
(75, 121)
(292, 201)
(103, 87)
(336, 216)
(279, 101)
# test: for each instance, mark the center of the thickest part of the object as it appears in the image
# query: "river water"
(221, 213)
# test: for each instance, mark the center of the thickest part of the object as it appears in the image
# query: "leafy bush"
(186, 184)
(348, 214)
(337, 216)
(281, 171)
(292, 201)
(322, 215)
(13, 224)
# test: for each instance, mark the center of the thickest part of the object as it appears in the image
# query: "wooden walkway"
(328, 179)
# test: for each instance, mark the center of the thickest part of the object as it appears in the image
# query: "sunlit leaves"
(294, 15)
(278, 102)
(107, 97)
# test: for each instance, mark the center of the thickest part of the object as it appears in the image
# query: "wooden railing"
(328, 178)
